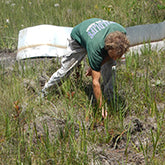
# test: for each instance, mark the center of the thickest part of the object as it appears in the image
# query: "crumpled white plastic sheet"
(138, 49)
(43, 41)
(51, 41)
(159, 46)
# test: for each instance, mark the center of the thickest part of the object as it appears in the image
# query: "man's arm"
(97, 87)
(97, 91)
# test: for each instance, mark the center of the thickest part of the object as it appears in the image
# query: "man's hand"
(89, 72)
(104, 113)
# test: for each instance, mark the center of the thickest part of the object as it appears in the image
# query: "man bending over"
(104, 42)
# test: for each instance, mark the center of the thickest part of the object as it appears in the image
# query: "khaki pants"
(75, 54)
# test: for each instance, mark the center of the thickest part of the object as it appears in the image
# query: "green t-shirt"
(91, 34)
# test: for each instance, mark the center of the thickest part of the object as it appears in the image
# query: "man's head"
(116, 44)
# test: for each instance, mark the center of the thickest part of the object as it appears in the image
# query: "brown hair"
(117, 41)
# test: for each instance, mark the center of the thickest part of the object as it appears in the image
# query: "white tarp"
(43, 41)
(158, 46)
(51, 41)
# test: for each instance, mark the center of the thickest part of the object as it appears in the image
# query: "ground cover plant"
(64, 128)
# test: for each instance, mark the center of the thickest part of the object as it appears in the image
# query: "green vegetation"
(64, 128)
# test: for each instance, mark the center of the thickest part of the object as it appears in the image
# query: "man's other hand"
(88, 72)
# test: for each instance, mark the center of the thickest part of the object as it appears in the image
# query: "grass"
(64, 128)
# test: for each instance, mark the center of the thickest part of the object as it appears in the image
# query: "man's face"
(113, 54)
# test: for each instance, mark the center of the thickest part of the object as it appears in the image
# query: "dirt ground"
(115, 152)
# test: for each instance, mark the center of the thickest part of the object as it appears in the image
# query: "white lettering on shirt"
(95, 27)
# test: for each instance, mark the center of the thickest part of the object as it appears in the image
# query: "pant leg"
(108, 75)
(75, 55)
